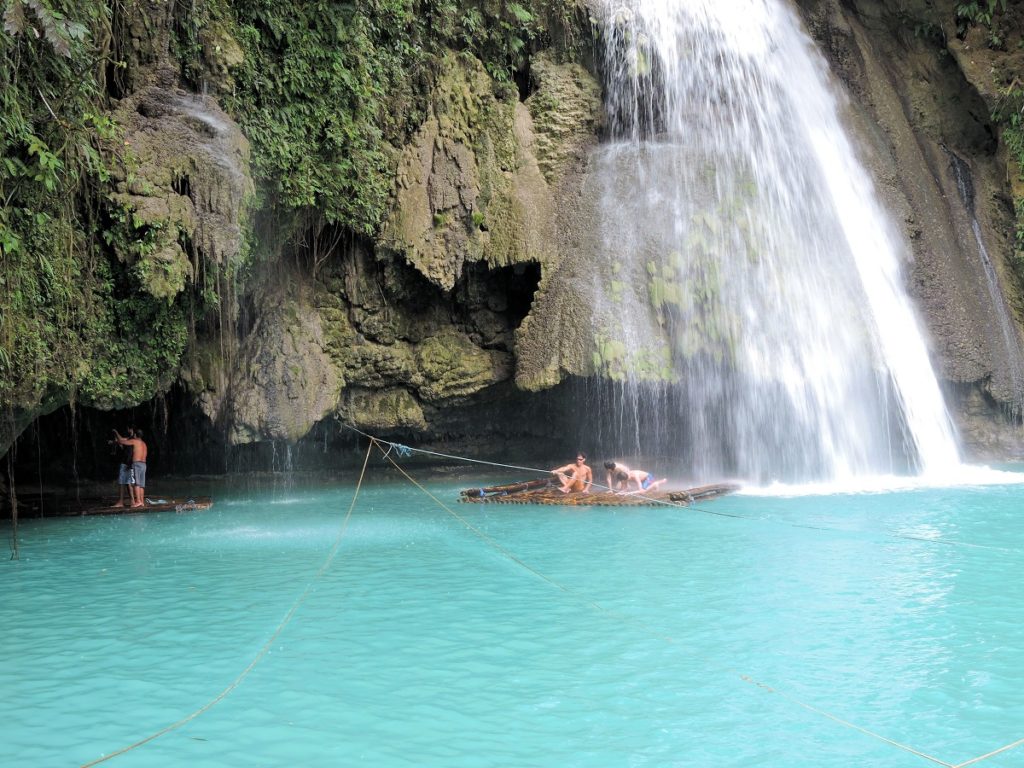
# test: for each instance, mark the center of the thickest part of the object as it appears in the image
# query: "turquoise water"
(538, 636)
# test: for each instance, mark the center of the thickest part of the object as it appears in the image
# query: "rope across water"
(266, 646)
(404, 450)
(387, 449)
(669, 639)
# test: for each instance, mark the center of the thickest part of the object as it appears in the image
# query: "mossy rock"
(566, 111)
(382, 410)
(454, 367)
(469, 186)
(285, 382)
(183, 178)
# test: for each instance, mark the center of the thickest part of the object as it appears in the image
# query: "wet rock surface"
(921, 104)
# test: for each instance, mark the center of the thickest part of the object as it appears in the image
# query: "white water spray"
(753, 266)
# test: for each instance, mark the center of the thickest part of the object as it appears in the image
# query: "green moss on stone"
(453, 366)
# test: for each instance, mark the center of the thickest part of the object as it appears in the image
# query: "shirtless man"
(616, 476)
(575, 477)
(139, 453)
(619, 475)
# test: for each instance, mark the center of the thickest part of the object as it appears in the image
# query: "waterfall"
(750, 304)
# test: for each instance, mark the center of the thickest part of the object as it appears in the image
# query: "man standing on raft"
(139, 453)
(575, 478)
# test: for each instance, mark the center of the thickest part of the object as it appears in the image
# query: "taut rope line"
(648, 630)
(465, 459)
(266, 646)
(406, 450)
(659, 635)
(987, 755)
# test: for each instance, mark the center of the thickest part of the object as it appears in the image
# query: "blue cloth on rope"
(403, 450)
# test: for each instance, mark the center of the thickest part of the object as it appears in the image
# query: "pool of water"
(275, 630)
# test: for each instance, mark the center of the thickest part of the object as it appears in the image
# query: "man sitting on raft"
(619, 476)
(575, 478)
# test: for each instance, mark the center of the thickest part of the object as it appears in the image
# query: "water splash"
(753, 301)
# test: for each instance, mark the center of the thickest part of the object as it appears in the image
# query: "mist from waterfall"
(752, 307)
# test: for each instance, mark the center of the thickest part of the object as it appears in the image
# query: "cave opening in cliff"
(524, 81)
(70, 453)
(182, 184)
(495, 301)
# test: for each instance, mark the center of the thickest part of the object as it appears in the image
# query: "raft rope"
(672, 641)
(267, 645)
(405, 451)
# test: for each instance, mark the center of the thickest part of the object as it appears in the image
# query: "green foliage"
(72, 316)
(61, 33)
(976, 12)
(190, 17)
(321, 86)
(136, 343)
(151, 249)
(50, 155)
(980, 13)
(329, 91)
(500, 34)
(1009, 114)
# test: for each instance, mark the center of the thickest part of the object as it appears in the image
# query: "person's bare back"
(139, 449)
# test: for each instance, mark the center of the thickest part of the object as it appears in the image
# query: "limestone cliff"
(388, 335)
(922, 100)
(111, 254)
(474, 300)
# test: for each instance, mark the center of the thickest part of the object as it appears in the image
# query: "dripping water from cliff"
(1014, 355)
(753, 314)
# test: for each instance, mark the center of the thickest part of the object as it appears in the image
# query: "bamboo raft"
(53, 507)
(546, 491)
(191, 504)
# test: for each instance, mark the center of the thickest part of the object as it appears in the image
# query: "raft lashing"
(547, 491)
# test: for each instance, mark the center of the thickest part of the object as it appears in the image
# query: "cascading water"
(753, 308)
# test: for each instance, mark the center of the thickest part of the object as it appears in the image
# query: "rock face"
(479, 181)
(391, 336)
(482, 275)
(286, 382)
(477, 297)
(552, 342)
(921, 104)
(185, 162)
(185, 179)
